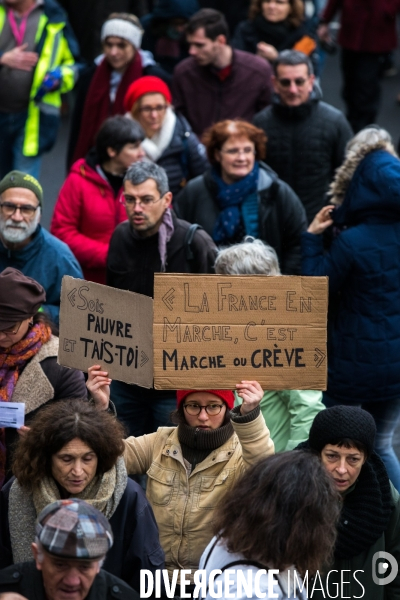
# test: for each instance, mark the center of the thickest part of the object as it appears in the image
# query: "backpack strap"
(188, 243)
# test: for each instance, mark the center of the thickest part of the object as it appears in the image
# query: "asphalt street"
(54, 170)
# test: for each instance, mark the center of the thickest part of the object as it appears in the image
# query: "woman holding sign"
(29, 372)
(190, 467)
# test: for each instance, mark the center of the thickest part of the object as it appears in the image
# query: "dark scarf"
(197, 444)
(366, 509)
(282, 35)
(230, 198)
(98, 106)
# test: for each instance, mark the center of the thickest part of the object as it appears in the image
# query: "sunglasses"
(299, 81)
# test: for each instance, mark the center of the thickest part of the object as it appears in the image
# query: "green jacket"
(57, 48)
(289, 415)
(363, 563)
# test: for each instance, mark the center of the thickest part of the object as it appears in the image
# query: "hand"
(22, 431)
(98, 384)
(251, 393)
(321, 221)
(267, 51)
(323, 33)
(12, 596)
(18, 58)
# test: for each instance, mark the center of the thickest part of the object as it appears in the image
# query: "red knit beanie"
(226, 395)
(146, 85)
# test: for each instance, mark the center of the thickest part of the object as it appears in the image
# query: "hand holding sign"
(98, 384)
(251, 393)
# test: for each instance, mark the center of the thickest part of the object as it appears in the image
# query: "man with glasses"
(306, 137)
(26, 246)
(153, 240)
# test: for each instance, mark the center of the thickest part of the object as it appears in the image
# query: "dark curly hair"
(54, 426)
(215, 137)
(283, 511)
(296, 15)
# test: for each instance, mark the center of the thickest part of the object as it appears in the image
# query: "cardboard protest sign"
(212, 331)
(106, 326)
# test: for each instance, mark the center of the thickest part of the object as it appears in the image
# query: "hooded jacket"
(47, 260)
(363, 264)
(281, 215)
(306, 144)
(85, 216)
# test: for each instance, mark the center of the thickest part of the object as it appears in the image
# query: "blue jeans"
(142, 410)
(12, 134)
(386, 414)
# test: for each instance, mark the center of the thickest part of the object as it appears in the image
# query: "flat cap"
(74, 529)
(20, 297)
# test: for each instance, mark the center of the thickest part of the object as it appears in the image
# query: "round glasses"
(195, 409)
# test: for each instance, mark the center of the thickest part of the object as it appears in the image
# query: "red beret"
(146, 85)
(226, 395)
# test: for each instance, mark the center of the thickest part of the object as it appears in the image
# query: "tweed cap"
(338, 422)
(17, 179)
(74, 529)
(20, 297)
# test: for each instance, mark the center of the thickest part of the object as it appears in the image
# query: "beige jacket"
(184, 503)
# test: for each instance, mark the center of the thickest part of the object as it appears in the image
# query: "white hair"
(251, 257)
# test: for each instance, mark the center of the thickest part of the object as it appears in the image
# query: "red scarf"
(98, 106)
(12, 363)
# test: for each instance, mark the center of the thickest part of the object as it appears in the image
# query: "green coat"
(388, 542)
(289, 415)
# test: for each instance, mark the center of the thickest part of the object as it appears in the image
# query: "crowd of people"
(199, 143)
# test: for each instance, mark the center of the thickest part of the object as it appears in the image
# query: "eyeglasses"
(11, 330)
(237, 151)
(149, 109)
(299, 81)
(131, 201)
(8, 209)
(195, 409)
(275, 1)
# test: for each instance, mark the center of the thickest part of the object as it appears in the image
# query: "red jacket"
(85, 216)
(203, 99)
(366, 25)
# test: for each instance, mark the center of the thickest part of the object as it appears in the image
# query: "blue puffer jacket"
(363, 264)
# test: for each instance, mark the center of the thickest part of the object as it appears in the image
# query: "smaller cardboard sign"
(105, 326)
(212, 331)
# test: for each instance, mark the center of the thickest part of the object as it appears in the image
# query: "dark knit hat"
(74, 529)
(20, 297)
(226, 395)
(17, 179)
(339, 422)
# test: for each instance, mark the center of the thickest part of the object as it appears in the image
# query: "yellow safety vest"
(55, 53)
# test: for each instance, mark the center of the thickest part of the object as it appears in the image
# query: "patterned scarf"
(230, 198)
(12, 363)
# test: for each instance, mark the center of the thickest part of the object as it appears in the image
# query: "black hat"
(20, 297)
(339, 422)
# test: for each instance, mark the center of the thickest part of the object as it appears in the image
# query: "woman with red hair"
(190, 467)
(170, 141)
(240, 195)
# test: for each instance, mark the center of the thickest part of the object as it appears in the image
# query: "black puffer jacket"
(306, 144)
(184, 158)
(281, 215)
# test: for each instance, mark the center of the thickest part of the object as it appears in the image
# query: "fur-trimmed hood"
(344, 174)
(373, 194)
